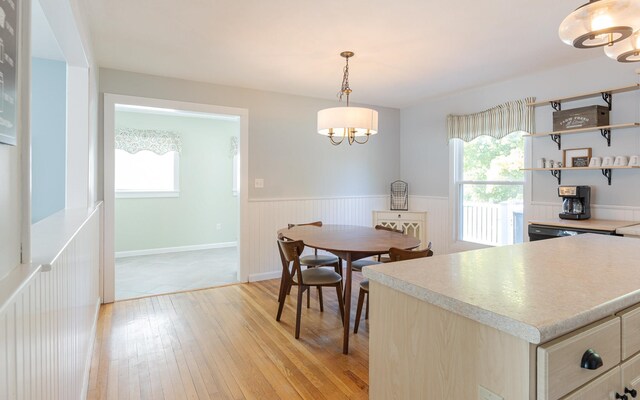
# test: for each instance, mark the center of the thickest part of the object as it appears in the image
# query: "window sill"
(146, 195)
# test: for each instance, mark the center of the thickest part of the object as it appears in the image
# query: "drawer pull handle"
(591, 360)
(621, 396)
(633, 393)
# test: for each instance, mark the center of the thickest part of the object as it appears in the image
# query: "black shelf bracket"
(557, 139)
(557, 105)
(607, 174)
(606, 133)
(608, 98)
(557, 174)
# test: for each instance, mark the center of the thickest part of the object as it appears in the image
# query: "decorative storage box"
(583, 117)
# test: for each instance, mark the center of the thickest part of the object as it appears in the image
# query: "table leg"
(347, 306)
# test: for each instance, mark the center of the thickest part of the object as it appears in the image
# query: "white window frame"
(143, 194)
(456, 182)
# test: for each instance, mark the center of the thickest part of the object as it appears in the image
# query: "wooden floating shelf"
(579, 168)
(557, 172)
(586, 95)
(580, 130)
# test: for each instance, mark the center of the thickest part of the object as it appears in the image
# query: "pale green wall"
(205, 189)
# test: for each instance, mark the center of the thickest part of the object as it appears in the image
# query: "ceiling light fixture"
(600, 23)
(625, 51)
(347, 122)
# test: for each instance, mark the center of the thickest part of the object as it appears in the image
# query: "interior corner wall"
(48, 137)
(206, 212)
(284, 148)
(425, 150)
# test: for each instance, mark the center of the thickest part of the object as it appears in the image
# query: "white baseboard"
(264, 276)
(87, 364)
(164, 250)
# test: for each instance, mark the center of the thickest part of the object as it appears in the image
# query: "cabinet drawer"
(631, 374)
(559, 371)
(630, 325)
(603, 388)
(397, 215)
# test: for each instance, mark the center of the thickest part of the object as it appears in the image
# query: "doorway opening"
(174, 179)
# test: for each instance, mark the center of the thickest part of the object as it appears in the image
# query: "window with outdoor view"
(490, 188)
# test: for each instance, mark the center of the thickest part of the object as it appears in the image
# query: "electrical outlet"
(259, 183)
(486, 394)
(218, 226)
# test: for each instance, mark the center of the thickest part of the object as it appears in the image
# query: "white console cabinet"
(413, 223)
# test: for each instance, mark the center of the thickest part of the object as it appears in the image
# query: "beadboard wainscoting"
(269, 215)
(48, 315)
(547, 210)
(438, 225)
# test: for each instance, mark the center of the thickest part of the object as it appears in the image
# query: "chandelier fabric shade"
(340, 121)
(599, 23)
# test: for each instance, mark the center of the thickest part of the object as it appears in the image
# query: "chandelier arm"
(336, 143)
(363, 142)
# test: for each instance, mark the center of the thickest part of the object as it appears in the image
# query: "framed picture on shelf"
(576, 157)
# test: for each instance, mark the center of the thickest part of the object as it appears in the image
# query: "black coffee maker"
(575, 202)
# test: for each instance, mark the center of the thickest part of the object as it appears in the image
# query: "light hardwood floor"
(224, 343)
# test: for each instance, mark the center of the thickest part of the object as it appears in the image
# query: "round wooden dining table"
(350, 243)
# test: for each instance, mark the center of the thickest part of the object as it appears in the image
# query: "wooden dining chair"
(359, 264)
(317, 260)
(385, 258)
(319, 277)
(395, 254)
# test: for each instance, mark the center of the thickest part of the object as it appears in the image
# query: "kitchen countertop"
(591, 223)
(633, 230)
(536, 291)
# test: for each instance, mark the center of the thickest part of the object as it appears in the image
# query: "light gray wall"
(424, 145)
(48, 137)
(284, 148)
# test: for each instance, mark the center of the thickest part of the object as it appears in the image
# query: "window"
(489, 189)
(146, 174)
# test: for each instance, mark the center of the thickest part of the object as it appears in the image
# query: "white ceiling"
(406, 50)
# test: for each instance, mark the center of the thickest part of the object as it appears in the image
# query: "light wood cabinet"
(602, 388)
(616, 340)
(559, 361)
(437, 354)
(630, 324)
(413, 223)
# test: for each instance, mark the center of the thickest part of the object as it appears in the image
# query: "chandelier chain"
(345, 89)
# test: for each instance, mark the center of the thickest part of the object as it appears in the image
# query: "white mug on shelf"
(634, 161)
(541, 162)
(595, 161)
(549, 163)
(621, 161)
(607, 161)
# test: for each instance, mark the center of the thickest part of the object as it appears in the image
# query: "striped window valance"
(496, 122)
(157, 141)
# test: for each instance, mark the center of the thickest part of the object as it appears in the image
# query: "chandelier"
(611, 23)
(352, 123)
